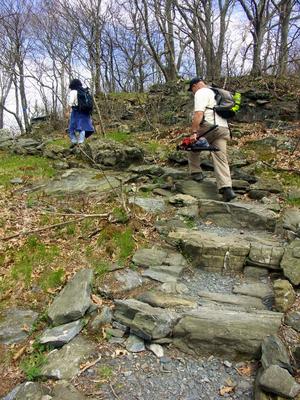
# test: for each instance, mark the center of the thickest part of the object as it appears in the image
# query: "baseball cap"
(193, 82)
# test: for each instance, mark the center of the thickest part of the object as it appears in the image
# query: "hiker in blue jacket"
(80, 125)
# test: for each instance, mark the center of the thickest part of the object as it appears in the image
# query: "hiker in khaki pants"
(204, 119)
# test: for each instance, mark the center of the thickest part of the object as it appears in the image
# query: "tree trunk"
(23, 96)
(284, 22)
(169, 42)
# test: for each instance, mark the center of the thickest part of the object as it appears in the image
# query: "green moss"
(294, 202)
(16, 166)
(31, 365)
(105, 372)
(119, 136)
(120, 215)
(52, 279)
(125, 244)
(32, 254)
(62, 142)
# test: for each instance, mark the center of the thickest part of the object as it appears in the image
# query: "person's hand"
(193, 137)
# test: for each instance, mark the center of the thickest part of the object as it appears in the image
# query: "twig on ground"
(279, 169)
(88, 366)
(113, 391)
(44, 228)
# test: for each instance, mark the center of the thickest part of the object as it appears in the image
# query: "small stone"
(119, 326)
(255, 272)
(157, 350)
(174, 287)
(227, 364)
(118, 333)
(274, 353)
(127, 373)
(135, 344)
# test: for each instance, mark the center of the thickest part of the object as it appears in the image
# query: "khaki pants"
(219, 138)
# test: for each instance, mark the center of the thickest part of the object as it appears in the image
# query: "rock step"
(206, 330)
(238, 215)
(233, 334)
(226, 252)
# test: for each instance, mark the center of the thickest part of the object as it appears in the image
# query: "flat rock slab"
(145, 321)
(74, 300)
(12, 324)
(65, 363)
(211, 251)
(238, 215)
(27, 391)
(165, 300)
(231, 301)
(62, 334)
(157, 256)
(201, 190)
(261, 290)
(164, 273)
(229, 333)
(291, 262)
(152, 205)
(76, 181)
(291, 219)
(279, 381)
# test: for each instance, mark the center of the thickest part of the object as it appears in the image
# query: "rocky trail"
(206, 307)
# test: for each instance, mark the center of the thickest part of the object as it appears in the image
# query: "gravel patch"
(209, 281)
(173, 377)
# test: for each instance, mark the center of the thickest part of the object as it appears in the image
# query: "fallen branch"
(113, 392)
(88, 366)
(279, 169)
(25, 233)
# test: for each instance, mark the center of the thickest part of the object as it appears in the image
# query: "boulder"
(27, 145)
(147, 170)
(135, 344)
(279, 381)
(112, 154)
(145, 321)
(291, 220)
(273, 352)
(285, 295)
(27, 391)
(290, 262)
(255, 273)
(266, 255)
(127, 280)
(234, 334)
(65, 363)
(12, 325)
(267, 185)
(210, 251)
(60, 335)
(74, 300)
(104, 318)
(238, 215)
(293, 320)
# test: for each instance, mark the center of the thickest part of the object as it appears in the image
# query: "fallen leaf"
(226, 389)
(246, 370)
(97, 300)
(120, 352)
